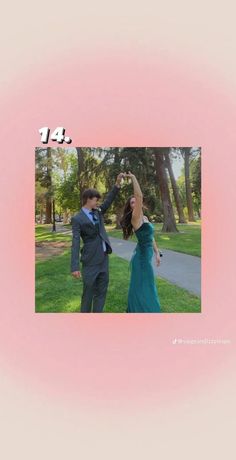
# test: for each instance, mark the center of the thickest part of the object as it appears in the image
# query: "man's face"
(93, 202)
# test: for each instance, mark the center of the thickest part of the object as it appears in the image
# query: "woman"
(142, 296)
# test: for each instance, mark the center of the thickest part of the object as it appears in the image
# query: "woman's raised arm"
(137, 213)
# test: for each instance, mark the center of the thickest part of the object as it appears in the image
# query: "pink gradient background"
(88, 378)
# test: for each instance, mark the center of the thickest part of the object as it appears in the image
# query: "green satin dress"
(143, 295)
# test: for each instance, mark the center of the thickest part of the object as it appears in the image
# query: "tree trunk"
(119, 212)
(65, 216)
(175, 190)
(53, 216)
(169, 224)
(188, 185)
(49, 187)
(41, 213)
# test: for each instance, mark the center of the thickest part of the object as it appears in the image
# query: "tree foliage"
(63, 174)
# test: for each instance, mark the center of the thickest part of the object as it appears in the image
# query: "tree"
(195, 172)
(176, 194)
(169, 224)
(40, 201)
(187, 155)
(44, 179)
(80, 171)
(139, 160)
(48, 184)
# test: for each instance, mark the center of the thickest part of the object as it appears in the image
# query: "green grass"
(44, 233)
(188, 240)
(58, 291)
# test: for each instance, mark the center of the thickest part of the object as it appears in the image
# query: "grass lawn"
(44, 233)
(188, 240)
(58, 291)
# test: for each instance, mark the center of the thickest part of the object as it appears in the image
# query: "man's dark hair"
(90, 193)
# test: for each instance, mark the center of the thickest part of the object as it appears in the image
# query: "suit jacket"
(92, 252)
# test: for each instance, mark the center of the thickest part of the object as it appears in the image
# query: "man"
(88, 224)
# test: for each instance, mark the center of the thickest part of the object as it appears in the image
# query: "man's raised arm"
(112, 194)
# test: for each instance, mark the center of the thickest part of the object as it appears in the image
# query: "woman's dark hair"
(90, 193)
(125, 221)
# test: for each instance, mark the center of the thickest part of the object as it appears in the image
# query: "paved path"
(178, 268)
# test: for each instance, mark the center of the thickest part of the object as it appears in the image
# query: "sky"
(177, 165)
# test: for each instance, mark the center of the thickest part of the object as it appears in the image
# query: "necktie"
(95, 219)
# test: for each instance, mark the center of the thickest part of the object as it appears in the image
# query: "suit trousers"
(95, 284)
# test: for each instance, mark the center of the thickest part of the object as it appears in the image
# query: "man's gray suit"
(95, 268)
